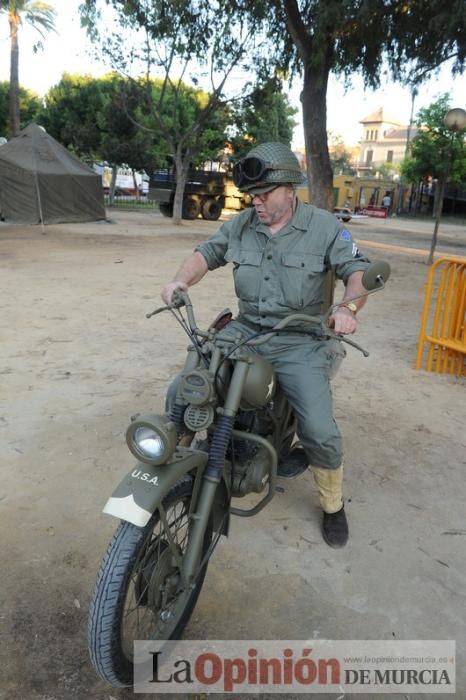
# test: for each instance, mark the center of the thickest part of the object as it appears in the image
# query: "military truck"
(206, 193)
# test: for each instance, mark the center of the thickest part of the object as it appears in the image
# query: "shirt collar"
(300, 218)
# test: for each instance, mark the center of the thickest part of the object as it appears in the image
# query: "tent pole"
(39, 201)
(36, 182)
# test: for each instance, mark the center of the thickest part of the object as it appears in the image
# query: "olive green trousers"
(303, 368)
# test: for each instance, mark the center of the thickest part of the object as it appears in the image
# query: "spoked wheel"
(139, 592)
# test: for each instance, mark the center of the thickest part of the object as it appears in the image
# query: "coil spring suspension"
(177, 417)
(218, 448)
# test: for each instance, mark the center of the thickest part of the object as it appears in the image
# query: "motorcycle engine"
(250, 461)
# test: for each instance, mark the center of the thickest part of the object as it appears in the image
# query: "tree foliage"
(264, 114)
(309, 38)
(436, 150)
(313, 38)
(438, 153)
(341, 158)
(86, 115)
(154, 36)
(110, 119)
(39, 15)
(30, 106)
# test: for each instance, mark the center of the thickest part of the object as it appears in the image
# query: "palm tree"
(39, 15)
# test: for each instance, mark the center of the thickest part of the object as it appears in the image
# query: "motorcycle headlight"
(151, 439)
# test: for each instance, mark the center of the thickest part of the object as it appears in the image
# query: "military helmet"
(265, 167)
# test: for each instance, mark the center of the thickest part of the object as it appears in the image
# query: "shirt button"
(263, 299)
(266, 279)
(269, 257)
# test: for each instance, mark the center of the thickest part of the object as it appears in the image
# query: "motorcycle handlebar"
(313, 320)
(281, 325)
(180, 299)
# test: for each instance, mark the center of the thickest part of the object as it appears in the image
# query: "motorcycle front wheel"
(138, 593)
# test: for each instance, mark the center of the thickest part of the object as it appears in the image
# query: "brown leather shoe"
(335, 528)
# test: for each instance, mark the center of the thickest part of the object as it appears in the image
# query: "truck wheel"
(211, 209)
(191, 208)
(166, 209)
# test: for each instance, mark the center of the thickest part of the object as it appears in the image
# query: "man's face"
(275, 207)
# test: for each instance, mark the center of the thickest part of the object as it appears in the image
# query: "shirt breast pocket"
(302, 275)
(246, 272)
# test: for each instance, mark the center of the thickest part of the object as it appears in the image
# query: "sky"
(69, 51)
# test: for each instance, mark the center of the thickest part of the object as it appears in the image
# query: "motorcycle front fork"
(213, 472)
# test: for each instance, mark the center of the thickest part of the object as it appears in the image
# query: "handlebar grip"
(178, 299)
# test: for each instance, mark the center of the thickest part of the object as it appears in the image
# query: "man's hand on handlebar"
(167, 291)
(343, 321)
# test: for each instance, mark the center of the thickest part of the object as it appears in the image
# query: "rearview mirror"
(376, 275)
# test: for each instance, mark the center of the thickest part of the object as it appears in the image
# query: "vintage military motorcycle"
(228, 428)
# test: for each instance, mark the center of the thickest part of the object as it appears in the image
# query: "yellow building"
(355, 193)
(383, 140)
(360, 192)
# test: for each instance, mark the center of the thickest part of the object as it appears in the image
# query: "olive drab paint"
(249, 424)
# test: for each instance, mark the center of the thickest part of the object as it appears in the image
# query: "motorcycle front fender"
(141, 491)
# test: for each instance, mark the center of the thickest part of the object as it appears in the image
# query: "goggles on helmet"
(252, 169)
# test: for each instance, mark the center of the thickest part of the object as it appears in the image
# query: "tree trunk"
(137, 194)
(181, 174)
(319, 169)
(14, 76)
(420, 190)
(438, 213)
(111, 191)
(437, 195)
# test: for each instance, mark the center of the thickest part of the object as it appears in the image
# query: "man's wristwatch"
(352, 307)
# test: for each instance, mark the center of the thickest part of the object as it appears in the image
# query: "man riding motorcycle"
(282, 251)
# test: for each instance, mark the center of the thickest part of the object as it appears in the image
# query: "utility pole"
(401, 195)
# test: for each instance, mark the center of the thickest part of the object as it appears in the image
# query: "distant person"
(386, 202)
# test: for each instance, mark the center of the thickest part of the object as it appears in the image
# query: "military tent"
(42, 182)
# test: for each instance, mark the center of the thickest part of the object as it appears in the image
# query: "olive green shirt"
(279, 274)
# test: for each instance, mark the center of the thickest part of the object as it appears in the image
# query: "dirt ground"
(79, 357)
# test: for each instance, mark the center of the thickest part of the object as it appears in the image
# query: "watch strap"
(352, 307)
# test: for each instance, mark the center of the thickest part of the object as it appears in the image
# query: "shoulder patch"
(345, 235)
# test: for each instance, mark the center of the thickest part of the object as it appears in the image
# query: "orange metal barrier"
(446, 350)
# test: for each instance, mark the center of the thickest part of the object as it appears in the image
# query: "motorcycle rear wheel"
(136, 595)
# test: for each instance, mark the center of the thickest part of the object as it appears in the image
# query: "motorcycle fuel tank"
(260, 383)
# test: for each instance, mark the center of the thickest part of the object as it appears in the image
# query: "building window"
(389, 156)
(369, 156)
(367, 134)
(376, 135)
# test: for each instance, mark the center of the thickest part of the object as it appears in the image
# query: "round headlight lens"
(151, 439)
(149, 442)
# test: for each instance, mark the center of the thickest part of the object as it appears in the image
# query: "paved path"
(412, 236)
